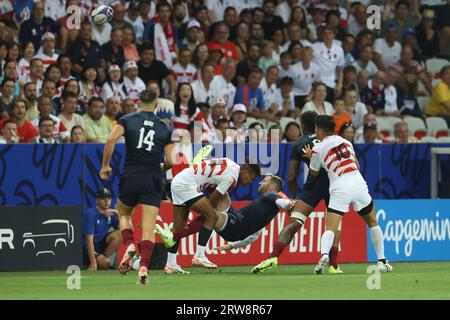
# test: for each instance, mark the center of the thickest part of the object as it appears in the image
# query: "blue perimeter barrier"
(68, 174)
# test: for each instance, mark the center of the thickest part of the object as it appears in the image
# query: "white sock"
(200, 253)
(376, 235)
(326, 242)
(172, 258)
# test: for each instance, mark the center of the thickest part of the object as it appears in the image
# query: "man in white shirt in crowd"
(9, 132)
(387, 50)
(47, 50)
(268, 86)
(394, 103)
(304, 74)
(330, 59)
(224, 84)
(204, 90)
(294, 35)
(365, 63)
(132, 85)
(184, 70)
(355, 109)
(218, 111)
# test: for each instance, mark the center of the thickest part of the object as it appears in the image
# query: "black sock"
(382, 260)
(203, 236)
(174, 249)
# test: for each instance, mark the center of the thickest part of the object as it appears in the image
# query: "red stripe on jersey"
(347, 171)
(222, 168)
(203, 167)
(195, 168)
(233, 184)
(344, 163)
(213, 167)
(329, 154)
(331, 162)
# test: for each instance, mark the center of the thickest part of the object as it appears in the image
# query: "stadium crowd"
(232, 65)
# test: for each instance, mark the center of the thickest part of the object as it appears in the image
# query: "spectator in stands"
(330, 58)
(285, 9)
(241, 41)
(165, 110)
(84, 51)
(77, 135)
(295, 36)
(268, 87)
(256, 34)
(47, 51)
(370, 134)
(186, 110)
(132, 85)
(304, 74)
(152, 69)
(356, 109)
(10, 71)
(298, 17)
(410, 39)
(65, 64)
(318, 103)
(224, 82)
(31, 99)
(46, 128)
(394, 104)
(286, 67)
(163, 32)
(401, 134)
(256, 133)
(238, 119)
(365, 61)
(358, 19)
(428, 35)
(218, 111)
(347, 132)
(101, 33)
(408, 84)
(130, 50)
(348, 44)
(34, 28)
(275, 134)
(373, 95)
(220, 41)
(332, 19)
(53, 73)
(9, 132)
(439, 105)
(203, 88)
(245, 66)
(387, 50)
(284, 99)
(112, 86)
(271, 21)
(99, 242)
(266, 60)
(278, 40)
(128, 106)
(49, 91)
(403, 20)
(73, 86)
(6, 99)
(192, 38)
(200, 56)
(350, 78)
(112, 110)
(36, 74)
(251, 96)
(13, 52)
(406, 59)
(88, 83)
(112, 52)
(296, 50)
(223, 132)
(134, 19)
(317, 20)
(97, 125)
(340, 114)
(45, 107)
(25, 129)
(23, 69)
(291, 132)
(184, 71)
(68, 116)
(364, 38)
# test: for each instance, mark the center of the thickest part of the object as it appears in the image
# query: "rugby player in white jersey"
(347, 186)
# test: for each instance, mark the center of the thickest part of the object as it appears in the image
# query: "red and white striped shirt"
(183, 74)
(47, 60)
(336, 156)
(221, 174)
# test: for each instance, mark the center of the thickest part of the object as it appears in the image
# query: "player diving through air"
(243, 226)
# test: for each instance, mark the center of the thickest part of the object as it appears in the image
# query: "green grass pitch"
(418, 280)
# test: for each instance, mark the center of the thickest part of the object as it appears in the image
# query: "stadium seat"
(437, 127)
(421, 90)
(434, 66)
(428, 139)
(416, 127)
(423, 103)
(386, 125)
(443, 140)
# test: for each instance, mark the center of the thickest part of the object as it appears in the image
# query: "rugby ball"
(102, 14)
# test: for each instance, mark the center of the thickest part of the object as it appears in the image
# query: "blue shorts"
(137, 187)
(315, 190)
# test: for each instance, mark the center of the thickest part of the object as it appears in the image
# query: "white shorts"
(184, 187)
(348, 192)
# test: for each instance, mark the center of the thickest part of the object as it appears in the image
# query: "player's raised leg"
(126, 230)
(376, 235)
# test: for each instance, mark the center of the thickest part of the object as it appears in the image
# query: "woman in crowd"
(291, 132)
(23, 69)
(242, 36)
(347, 131)
(77, 135)
(318, 103)
(88, 85)
(111, 87)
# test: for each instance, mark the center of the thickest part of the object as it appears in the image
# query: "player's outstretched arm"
(242, 243)
(108, 151)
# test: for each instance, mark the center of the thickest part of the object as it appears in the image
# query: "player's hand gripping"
(291, 205)
(308, 152)
(105, 172)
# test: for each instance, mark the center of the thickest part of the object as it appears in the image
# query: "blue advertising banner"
(414, 230)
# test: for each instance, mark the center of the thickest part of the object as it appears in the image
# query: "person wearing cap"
(238, 119)
(427, 35)
(218, 111)
(112, 52)
(112, 85)
(133, 18)
(403, 18)
(84, 51)
(34, 28)
(132, 84)
(47, 51)
(101, 237)
(192, 38)
(387, 49)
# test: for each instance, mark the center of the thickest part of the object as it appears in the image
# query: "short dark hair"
(256, 168)
(325, 123)
(203, 104)
(68, 94)
(146, 45)
(308, 121)
(42, 119)
(444, 69)
(147, 96)
(94, 99)
(255, 70)
(163, 4)
(350, 68)
(402, 3)
(221, 121)
(270, 1)
(277, 181)
(286, 81)
(230, 9)
(5, 80)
